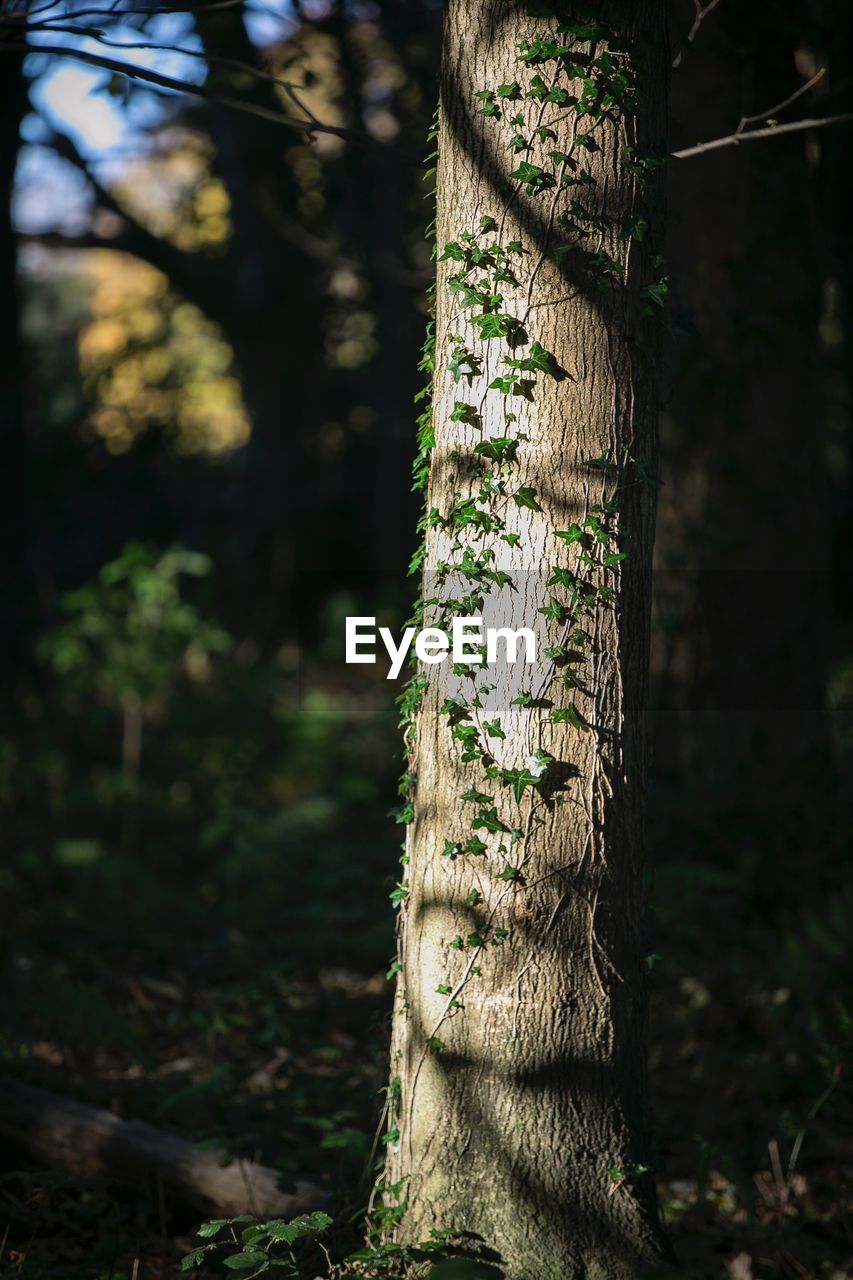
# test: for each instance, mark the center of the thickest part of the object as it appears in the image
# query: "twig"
(701, 14)
(754, 135)
(182, 86)
(786, 102)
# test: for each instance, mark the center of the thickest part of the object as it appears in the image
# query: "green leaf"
(473, 796)
(487, 224)
(492, 325)
(526, 497)
(488, 820)
(244, 1261)
(193, 1259)
(307, 1224)
(509, 873)
(534, 178)
(209, 1229)
(574, 533)
(523, 700)
(567, 715)
(464, 413)
(453, 252)
(498, 448)
(494, 730)
(509, 91)
(538, 360)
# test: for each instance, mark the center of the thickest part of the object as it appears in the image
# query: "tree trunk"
(517, 1111)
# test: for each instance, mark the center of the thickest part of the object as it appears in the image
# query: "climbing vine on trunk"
(516, 1105)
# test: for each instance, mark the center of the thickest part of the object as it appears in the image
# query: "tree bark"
(517, 1111)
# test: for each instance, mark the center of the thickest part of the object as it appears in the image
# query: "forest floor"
(234, 992)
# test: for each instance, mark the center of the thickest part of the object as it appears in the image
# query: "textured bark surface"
(512, 1129)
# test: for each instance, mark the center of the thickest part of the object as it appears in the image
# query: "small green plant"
(128, 635)
(252, 1247)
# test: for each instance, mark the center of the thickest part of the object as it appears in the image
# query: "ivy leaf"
(451, 850)
(494, 326)
(498, 448)
(526, 497)
(443, 989)
(493, 728)
(465, 413)
(554, 610)
(523, 700)
(488, 820)
(398, 895)
(475, 845)
(534, 178)
(487, 224)
(567, 715)
(509, 91)
(517, 143)
(509, 873)
(574, 533)
(519, 780)
(434, 1044)
(475, 939)
(537, 360)
(473, 796)
(540, 762)
(561, 578)
(453, 252)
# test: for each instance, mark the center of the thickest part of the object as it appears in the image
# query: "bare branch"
(212, 60)
(786, 102)
(753, 135)
(702, 12)
(183, 86)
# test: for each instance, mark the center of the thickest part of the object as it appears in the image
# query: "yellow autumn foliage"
(150, 359)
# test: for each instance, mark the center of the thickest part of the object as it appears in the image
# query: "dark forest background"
(210, 329)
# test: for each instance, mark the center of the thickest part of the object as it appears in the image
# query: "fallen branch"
(86, 1140)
